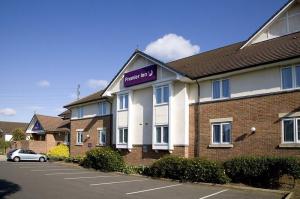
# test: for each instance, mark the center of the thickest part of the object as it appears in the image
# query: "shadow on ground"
(7, 188)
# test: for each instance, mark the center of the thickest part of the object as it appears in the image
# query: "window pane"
(166, 94)
(226, 132)
(158, 95)
(287, 80)
(104, 108)
(297, 76)
(158, 135)
(288, 126)
(216, 89)
(166, 135)
(298, 129)
(216, 133)
(103, 137)
(126, 101)
(120, 135)
(125, 135)
(121, 101)
(225, 87)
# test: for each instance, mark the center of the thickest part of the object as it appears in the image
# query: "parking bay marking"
(39, 166)
(157, 188)
(89, 177)
(55, 170)
(70, 173)
(118, 182)
(214, 194)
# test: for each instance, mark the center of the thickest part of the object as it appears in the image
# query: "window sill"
(289, 145)
(123, 110)
(220, 146)
(161, 104)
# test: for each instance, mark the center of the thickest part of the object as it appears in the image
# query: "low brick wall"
(36, 146)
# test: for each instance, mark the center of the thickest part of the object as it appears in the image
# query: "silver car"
(18, 155)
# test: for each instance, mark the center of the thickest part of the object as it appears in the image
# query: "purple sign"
(37, 126)
(140, 76)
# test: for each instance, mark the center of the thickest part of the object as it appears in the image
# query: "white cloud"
(8, 112)
(43, 83)
(97, 83)
(171, 47)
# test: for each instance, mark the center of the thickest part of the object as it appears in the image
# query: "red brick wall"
(90, 127)
(138, 157)
(259, 112)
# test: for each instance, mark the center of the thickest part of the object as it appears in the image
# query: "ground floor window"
(102, 136)
(162, 134)
(79, 137)
(221, 133)
(123, 135)
(291, 130)
(67, 138)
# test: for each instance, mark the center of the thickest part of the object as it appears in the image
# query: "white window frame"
(123, 101)
(220, 89)
(161, 135)
(80, 112)
(294, 78)
(102, 106)
(221, 132)
(162, 94)
(296, 138)
(123, 128)
(77, 136)
(100, 132)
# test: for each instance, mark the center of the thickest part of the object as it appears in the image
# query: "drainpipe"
(197, 121)
(111, 124)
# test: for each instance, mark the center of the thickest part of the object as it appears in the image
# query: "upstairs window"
(221, 89)
(162, 94)
(102, 108)
(290, 77)
(80, 112)
(123, 102)
(291, 130)
(221, 133)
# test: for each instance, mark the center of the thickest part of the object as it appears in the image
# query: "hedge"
(104, 159)
(194, 170)
(262, 171)
(59, 151)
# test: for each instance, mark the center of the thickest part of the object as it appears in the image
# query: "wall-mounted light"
(87, 136)
(253, 129)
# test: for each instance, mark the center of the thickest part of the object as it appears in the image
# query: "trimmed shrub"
(129, 169)
(262, 171)
(194, 170)
(104, 159)
(59, 151)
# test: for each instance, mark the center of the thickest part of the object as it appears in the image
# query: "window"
(162, 94)
(123, 102)
(221, 133)
(80, 112)
(102, 108)
(79, 137)
(123, 136)
(102, 137)
(67, 138)
(291, 130)
(290, 77)
(221, 89)
(162, 134)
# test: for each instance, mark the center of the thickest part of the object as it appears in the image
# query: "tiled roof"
(89, 98)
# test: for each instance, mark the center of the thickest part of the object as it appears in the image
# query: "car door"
(24, 154)
(32, 155)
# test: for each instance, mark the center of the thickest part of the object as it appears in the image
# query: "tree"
(4, 145)
(18, 134)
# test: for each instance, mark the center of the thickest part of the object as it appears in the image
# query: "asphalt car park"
(58, 180)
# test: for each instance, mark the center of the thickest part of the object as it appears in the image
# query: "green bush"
(262, 171)
(75, 159)
(129, 169)
(194, 170)
(59, 151)
(104, 159)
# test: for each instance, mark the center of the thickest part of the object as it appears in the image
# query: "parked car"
(18, 155)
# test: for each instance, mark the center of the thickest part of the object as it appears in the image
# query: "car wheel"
(42, 159)
(17, 159)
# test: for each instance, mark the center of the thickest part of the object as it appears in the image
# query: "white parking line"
(119, 182)
(89, 177)
(146, 190)
(214, 194)
(72, 173)
(41, 166)
(55, 169)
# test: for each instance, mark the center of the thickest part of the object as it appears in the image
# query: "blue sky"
(48, 47)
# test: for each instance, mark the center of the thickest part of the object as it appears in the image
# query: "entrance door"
(142, 100)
